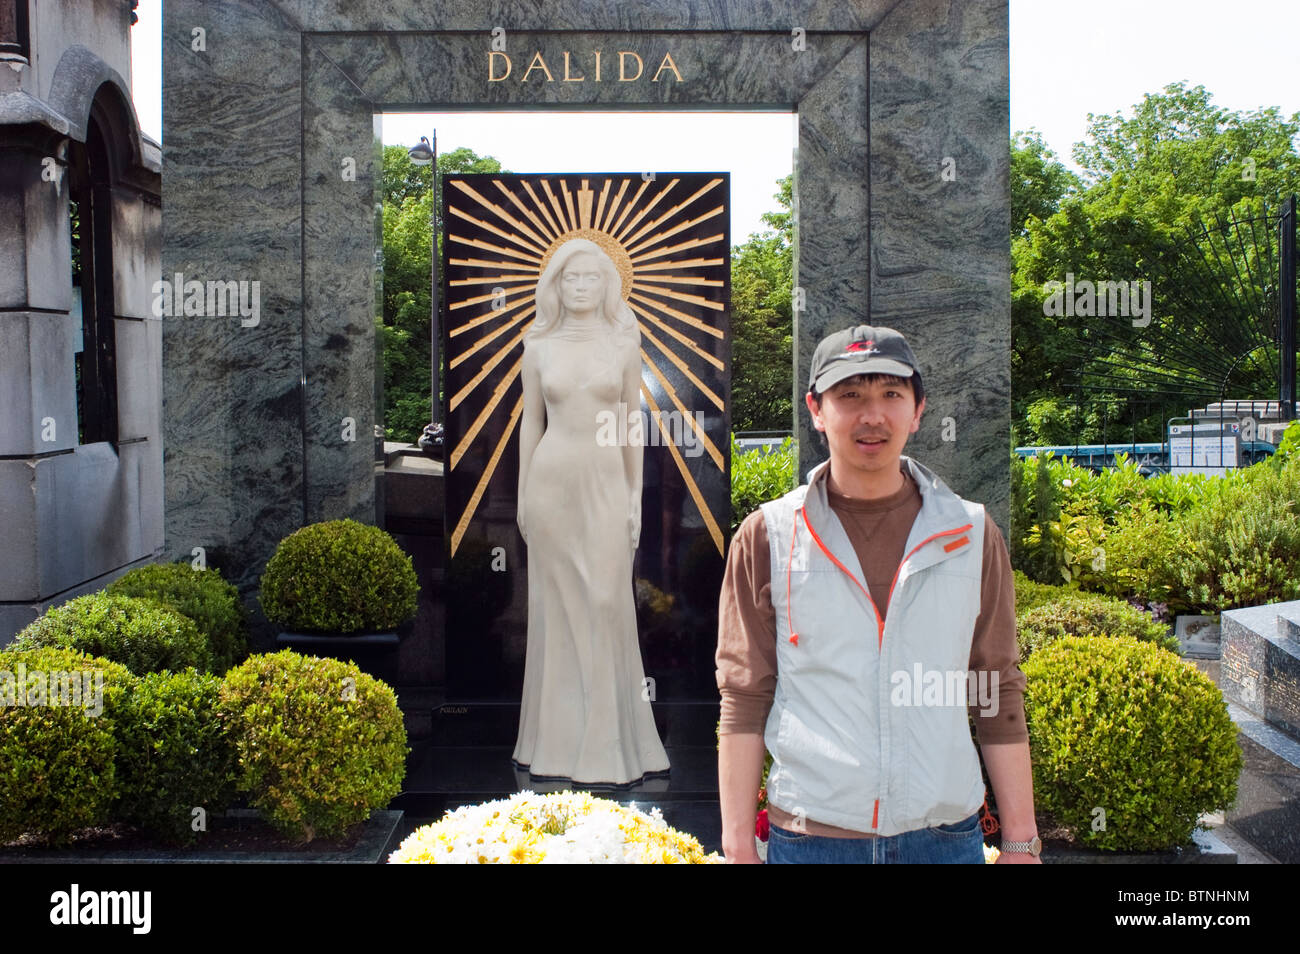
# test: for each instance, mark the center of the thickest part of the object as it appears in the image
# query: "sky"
(1068, 58)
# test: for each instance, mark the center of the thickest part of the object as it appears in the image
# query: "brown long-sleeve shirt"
(878, 530)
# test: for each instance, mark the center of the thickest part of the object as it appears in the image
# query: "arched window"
(15, 37)
(90, 191)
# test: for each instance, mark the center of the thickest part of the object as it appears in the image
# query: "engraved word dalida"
(579, 68)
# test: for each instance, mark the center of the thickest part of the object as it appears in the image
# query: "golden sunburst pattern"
(667, 235)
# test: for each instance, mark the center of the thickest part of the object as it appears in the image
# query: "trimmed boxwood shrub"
(320, 743)
(203, 596)
(174, 754)
(340, 576)
(143, 635)
(1132, 729)
(57, 762)
(1088, 614)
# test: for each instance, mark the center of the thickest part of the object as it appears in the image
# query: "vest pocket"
(820, 771)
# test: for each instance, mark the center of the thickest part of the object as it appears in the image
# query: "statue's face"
(582, 286)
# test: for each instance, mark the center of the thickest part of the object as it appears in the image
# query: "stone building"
(81, 497)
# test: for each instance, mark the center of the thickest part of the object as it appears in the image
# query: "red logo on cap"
(860, 346)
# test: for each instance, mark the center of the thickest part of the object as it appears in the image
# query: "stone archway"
(901, 188)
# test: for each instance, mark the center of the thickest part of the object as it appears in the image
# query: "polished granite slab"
(441, 778)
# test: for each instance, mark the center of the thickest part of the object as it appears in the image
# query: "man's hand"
(1012, 777)
(740, 770)
(741, 855)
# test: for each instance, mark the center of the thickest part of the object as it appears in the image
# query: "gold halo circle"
(608, 244)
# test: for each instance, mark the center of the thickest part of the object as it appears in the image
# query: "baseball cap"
(860, 350)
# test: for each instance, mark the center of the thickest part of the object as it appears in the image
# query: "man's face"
(867, 421)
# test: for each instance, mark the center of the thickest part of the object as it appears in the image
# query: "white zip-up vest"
(854, 742)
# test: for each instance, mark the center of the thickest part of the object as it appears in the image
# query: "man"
(849, 606)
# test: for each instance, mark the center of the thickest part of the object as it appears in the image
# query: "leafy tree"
(1177, 161)
(1038, 184)
(406, 326)
(1038, 180)
(762, 279)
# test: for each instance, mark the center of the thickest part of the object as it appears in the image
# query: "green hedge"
(1030, 593)
(203, 596)
(758, 476)
(1242, 545)
(58, 770)
(1194, 543)
(174, 755)
(1087, 614)
(143, 635)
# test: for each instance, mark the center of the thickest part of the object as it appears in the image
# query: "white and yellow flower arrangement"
(561, 828)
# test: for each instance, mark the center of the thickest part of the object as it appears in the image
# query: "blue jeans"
(960, 843)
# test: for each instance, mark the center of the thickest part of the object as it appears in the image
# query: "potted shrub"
(340, 588)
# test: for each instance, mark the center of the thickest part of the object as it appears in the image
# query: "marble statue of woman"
(584, 715)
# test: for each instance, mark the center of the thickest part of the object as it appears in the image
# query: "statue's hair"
(550, 312)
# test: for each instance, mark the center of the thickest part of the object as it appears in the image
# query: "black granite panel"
(685, 368)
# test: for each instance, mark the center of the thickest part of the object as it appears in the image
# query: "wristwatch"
(1034, 847)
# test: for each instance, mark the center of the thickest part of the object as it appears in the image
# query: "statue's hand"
(634, 526)
(519, 519)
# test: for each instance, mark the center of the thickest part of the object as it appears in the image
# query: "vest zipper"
(936, 536)
(880, 622)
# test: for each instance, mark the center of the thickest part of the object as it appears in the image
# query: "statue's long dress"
(584, 715)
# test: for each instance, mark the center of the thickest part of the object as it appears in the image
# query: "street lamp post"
(422, 154)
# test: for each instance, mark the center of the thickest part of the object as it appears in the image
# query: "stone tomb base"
(1260, 678)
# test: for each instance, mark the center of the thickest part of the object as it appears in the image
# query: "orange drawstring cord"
(988, 823)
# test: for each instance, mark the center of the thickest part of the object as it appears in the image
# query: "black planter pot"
(374, 653)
